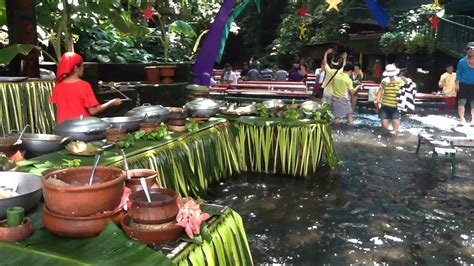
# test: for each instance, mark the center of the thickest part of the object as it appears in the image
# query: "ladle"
(21, 133)
(96, 162)
(145, 188)
(125, 164)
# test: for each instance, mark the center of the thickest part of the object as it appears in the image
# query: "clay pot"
(16, 233)
(11, 148)
(115, 134)
(134, 182)
(167, 73)
(152, 74)
(148, 127)
(162, 208)
(78, 227)
(177, 128)
(80, 199)
(177, 121)
(151, 236)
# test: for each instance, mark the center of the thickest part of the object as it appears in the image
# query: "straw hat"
(391, 70)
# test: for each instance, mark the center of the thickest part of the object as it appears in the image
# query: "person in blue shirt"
(465, 77)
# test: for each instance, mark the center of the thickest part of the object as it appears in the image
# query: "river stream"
(381, 205)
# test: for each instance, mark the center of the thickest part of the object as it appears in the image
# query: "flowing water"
(382, 204)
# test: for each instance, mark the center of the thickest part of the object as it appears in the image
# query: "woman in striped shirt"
(387, 96)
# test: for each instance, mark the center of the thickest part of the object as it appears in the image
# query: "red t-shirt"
(72, 100)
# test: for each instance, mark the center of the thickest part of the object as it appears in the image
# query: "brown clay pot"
(81, 199)
(148, 127)
(78, 227)
(16, 233)
(134, 182)
(177, 121)
(11, 148)
(177, 128)
(114, 134)
(162, 208)
(167, 73)
(152, 74)
(151, 236)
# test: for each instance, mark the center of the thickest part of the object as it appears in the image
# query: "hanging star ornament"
(303, 11)
(148, 14)
(333, 4)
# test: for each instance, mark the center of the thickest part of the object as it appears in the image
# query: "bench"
(438, 147)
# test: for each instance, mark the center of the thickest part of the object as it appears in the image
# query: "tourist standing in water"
(465, 77)
(448, 83)
(342, 88)
(330, 73)
(387, 96)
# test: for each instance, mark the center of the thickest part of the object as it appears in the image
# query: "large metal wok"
(203, 107)
(84, 128)
(153, 113)
(29, 188)
(38, 144)
(130, 123)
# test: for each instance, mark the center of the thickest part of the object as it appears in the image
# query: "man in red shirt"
(72, 95)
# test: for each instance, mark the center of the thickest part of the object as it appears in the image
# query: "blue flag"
(379, 14)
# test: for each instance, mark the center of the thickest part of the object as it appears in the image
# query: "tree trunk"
(21, 20)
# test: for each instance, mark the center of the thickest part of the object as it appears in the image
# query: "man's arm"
(325, 58)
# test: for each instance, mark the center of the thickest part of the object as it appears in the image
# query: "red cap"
(66, 65)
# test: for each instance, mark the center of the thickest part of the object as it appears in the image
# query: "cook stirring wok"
(73, 96)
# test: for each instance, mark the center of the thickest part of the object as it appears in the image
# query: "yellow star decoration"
(333, 4)
(303, 31)
(436, 2)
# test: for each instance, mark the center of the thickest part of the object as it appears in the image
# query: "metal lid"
(82, 124)
(202, 103)
(310, 106)
(150, 110)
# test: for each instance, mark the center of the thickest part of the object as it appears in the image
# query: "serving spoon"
(145, 188)
(21, 134)
(96, 162)
(125, 164)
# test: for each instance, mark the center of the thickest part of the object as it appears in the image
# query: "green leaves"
(7, 54)
(192, 125)
(181, 27)
(111, 247)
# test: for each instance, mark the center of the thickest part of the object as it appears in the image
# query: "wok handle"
(65, 140)
(14, 131)
(93, 131)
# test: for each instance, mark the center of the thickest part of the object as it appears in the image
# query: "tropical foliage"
(411, 32)
(22, 102)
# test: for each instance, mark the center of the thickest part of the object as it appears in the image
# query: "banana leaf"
(111, 247)
(26, 103)
(228, 245)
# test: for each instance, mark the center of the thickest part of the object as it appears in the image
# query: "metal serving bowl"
(29, 188)
(38, 144)
(130, 123)
(153, 113)
(308, 107)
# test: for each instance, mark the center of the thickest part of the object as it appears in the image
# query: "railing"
(453, 34)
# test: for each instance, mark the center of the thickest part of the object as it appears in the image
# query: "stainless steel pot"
(29, 188)
(84, 128)
(130, 123)
(202, 107)
(153, 113)
(38, 144)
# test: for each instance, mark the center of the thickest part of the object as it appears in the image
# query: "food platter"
(80, 148)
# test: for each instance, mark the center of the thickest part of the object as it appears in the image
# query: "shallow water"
(382, 204)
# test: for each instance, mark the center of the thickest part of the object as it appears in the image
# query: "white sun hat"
(391, 70)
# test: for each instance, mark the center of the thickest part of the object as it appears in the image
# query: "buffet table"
(228, 246)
